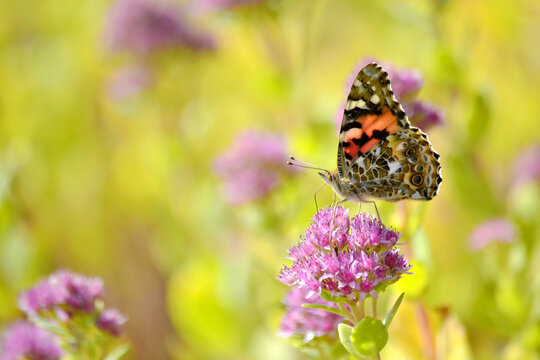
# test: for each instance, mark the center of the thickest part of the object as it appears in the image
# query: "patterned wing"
(371, 114)
(403, 166)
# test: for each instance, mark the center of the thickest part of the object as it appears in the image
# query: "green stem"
(346, 312)
(357, 311)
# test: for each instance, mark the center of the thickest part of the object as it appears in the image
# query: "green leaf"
(390, 316)
(325, 308)
(369, 336)
(345, 333)
(337, 299)
(481, 116)
(118, 352)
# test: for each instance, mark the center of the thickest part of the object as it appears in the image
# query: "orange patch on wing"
(351, 149)
(386, 121)
(372, 142)
(367, 120)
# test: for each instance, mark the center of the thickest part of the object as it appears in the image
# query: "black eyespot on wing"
(419, 168)
(417, 180)
(410, 152)
(413, 159)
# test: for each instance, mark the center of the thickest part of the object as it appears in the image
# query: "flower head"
(527, 166)
(143, 26)
(62, 290)
(111, 321)
(309, 323)
(253, 166)
(406, 83)
(498, 229)
(25, 340)
(424, 114)
(345, 257)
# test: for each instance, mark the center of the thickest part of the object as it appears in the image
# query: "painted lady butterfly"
(380, 155)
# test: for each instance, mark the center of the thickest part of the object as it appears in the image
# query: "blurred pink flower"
(143, 26)
(111, 321)
(345, 257)
(62, 290)
(309, 323)
(406, 84)
(252, 166)
(527, 166)
(498, 229)
(23, 340)
(129, 81)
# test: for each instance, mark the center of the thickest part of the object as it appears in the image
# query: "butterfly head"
(340, 185)
(330, 177)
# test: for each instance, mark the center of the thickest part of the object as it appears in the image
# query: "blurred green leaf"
(345, 332)
(337, 299)
(369, 336)
(118, 352)
(480, 118)
(392, 313)
(325, 308)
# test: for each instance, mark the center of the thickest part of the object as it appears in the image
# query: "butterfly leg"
(335, 208)
(335, 205)
(315, 196)
(376, 210)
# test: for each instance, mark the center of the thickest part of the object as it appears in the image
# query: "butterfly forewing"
(371, 114)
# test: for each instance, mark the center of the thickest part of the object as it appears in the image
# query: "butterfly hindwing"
(371, 114)
(403, 166)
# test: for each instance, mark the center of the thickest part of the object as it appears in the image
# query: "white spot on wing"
(393, 166)
(350, 105)
(417, 196)
(362, 104)
(356, 83)
(375, 99)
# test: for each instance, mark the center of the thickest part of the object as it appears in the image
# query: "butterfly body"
(380, 155)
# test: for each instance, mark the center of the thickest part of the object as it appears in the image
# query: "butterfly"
(380, 155)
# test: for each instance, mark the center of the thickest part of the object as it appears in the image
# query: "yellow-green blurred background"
(124, 188)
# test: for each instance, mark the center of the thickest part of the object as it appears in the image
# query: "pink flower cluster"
(345, 257)
(143, 26)
(63, 289)
(252, 166)
(299, 320)
(65, 294)
(23, 340)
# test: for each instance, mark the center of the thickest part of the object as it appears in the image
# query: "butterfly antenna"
(295, 162)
